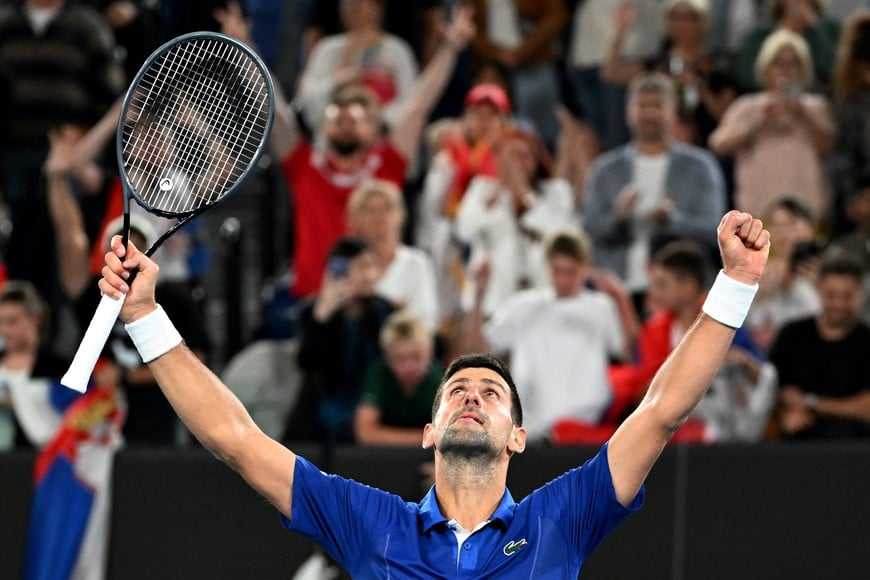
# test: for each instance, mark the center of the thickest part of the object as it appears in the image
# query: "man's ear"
(517, 441)
(427, 436)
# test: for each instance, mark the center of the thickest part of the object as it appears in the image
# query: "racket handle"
(79, 372)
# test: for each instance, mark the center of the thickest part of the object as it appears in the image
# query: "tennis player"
(468, 525)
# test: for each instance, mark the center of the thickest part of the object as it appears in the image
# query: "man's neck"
(470, 490)
(651, 148)
(832, 332)
(366, 34)
(689, 49)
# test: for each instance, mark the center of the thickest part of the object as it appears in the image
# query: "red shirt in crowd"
(319, 194)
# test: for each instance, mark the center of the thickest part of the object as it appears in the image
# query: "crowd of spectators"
(537, 179)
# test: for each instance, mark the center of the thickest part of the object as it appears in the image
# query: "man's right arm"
(285, 133)
(209, 409)
(682, 380)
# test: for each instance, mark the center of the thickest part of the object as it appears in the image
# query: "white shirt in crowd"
(409, 281)
(487, 220)
(559, 351)
(593, 28)
(650, 172)
(317, 81)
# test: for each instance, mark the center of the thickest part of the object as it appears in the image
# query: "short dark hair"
(25, 294)
(842, 265)
(482, 361)
(778, 7)
(795, 207)
(686, 259)
(570, 242)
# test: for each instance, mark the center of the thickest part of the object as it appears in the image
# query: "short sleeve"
(341, 515)
(584, 502)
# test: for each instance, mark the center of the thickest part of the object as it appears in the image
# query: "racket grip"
(92, 344)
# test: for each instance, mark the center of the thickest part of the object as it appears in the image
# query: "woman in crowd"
(780, 135)
(366, 55)
(407, 278)
(704, 82)
(787, 289)
(807, 19)
(504, 218)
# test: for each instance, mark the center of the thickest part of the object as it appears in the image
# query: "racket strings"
(195, 122)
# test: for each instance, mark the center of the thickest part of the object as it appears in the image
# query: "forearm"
(546, 31)
(675, 390)
(821, 131)
(72, 241)
(727, 138)
(684, 377)
(423, 96)
(616, 69)
(206, 406)
(629, 321)
(856, 407)
(285, 133)
(472, 339)
(93, 142)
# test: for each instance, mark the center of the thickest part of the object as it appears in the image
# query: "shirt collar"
(430, 513)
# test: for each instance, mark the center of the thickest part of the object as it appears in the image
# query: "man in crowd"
(651, 190)
(558, 333)
(355, 147)
(823, 363)
(399, 387)
(57, 67)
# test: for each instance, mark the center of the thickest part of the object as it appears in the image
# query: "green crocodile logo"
(512, 547)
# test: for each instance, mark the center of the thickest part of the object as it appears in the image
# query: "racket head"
(193, 124)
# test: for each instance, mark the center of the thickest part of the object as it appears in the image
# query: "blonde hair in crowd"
(403, 325)
(699, 7)
(372, 187)
(775, 43)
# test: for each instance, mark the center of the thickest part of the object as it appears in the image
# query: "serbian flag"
(69, 518)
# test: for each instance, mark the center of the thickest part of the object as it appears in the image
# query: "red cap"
(489, 93)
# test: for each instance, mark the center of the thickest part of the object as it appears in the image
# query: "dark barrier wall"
(770, 511)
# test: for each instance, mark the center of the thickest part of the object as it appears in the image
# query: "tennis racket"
(193, 124)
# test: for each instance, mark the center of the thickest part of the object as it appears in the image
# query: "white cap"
(137, 223)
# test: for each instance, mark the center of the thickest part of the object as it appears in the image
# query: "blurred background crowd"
(540, 179)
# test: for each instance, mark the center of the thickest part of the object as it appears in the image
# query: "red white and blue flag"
(69, 521)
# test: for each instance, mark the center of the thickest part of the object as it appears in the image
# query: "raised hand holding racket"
(193, 124)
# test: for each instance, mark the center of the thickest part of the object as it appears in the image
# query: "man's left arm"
(854, 408)
(430, 85)
(684, 377)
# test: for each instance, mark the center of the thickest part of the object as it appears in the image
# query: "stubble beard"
(467, 445)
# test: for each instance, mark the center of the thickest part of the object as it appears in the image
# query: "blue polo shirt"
(374, 534)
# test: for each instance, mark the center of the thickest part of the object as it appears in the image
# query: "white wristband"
(729, 300)
(153, 334)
